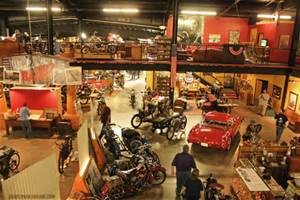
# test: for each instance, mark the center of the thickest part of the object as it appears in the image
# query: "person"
(281, 119)
(193, 186)
(105, 114)
(24, 117)
(183, 162)
(263, 102)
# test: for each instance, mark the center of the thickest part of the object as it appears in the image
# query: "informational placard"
(12, 77)
(252, 180)
(39, 181)
(74, 75)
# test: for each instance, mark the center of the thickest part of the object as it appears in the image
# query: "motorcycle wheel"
(170, 133)
(134, 145)
(136, 121)
(85, 50)
(61, 163)
(183, 122)
(112, 49)
(159, 177)
(14, 161)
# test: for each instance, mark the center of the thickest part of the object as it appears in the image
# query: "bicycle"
(65, 150)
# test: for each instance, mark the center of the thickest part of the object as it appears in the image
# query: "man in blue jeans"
(24, 117)
(184, 163)
(281, 119)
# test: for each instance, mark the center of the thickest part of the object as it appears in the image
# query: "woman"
(192, 187)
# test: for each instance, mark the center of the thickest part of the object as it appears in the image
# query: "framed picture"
(1, 74)
(292, 103)
(59, 76)
(234, 37)
(214, 38)
(73, 75)
(284, 41)
(276, 92)
(92, 178)
(12, 77)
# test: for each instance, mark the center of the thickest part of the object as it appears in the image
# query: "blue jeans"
(279, 130)
(182, 177)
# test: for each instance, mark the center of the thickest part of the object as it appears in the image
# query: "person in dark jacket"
(184, 163)
(281, 120)
(105, 114)
(193, 187)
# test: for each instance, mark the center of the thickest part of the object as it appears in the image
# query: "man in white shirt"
(263, 102)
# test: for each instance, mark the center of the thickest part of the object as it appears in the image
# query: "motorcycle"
(111, 141)
(212, 190)
(132, 98)
(83, 94)
(96, 45)
(9, 161)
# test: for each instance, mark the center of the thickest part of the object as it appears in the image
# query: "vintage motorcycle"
(83, 94)
(96, 45)
(9, 161)
(144, 174)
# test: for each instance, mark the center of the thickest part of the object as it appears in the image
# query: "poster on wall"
(74, 75)
(12, 77)
(214, 38)
(92, 178)
(260, 37)
(1, 74)
(234, 37)
(276, 93)
(293, 98)
(190, 29)
(59, 76)
(284, 41)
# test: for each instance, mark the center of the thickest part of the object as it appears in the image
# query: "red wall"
(272, 32)
(222, 26)
(35, 99)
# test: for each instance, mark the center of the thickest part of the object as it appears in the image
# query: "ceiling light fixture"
(267, 16)
(38, 9)
(194, 12)
(120, 10)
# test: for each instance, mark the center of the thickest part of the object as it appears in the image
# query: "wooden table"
(35, 123)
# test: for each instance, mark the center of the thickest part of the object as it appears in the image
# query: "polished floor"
(220, 163)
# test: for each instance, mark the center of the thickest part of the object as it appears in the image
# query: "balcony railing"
(160, 50)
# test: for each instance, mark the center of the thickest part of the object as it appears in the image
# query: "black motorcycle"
(9, 161)
(133, 140)
(252, 132)
(111, 141)
(83, 94)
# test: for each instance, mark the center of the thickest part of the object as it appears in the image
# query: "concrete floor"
(220, 163)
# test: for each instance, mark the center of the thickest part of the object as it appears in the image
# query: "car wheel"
(85, 50)
(136, 121)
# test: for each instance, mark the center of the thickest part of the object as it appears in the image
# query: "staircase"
(206, 79)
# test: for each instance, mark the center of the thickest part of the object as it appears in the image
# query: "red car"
(217, 130)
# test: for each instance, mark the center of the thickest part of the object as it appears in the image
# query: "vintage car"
(216, 130)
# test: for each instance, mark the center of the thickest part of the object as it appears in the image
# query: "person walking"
(263, 102)
(193, 187)
(281, 120)
(183, 163)
(105, 114)
(24, 117)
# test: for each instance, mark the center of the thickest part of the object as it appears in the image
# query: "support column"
(3, 108)
(71, 111)
(295, 39)
(3, 25)
(174, 52)
(285, 87)
(50, 27)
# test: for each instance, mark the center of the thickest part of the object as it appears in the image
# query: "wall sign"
(293, 98)
(214, 38)
(12, 77)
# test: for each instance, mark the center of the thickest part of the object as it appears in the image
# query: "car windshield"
(216, 124)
